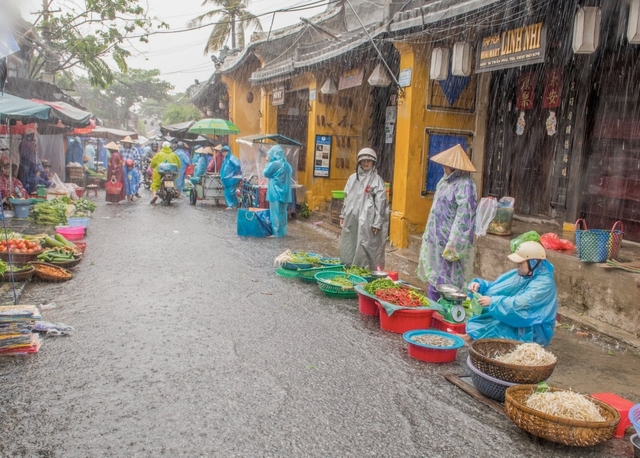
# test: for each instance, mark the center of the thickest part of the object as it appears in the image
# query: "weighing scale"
(451, 302)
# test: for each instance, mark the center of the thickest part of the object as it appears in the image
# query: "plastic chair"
(622, 405)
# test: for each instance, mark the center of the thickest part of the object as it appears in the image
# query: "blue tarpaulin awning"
(14, 109)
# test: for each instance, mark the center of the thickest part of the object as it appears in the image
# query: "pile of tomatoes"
(20, 246)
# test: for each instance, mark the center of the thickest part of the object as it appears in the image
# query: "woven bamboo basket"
(483, 352)
(23, 275)
(20, 258)
(575, 433)
(65, 275)
(68, 264)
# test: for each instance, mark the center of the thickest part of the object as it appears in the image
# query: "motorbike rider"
(148, 153)
(164, 155)
(182, 153)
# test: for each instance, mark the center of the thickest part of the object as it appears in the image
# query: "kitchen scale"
(451, 302)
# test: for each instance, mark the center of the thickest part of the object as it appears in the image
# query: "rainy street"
(187, 344)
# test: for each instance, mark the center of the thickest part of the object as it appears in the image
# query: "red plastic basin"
(367, 305)
(71, 233)
(431, 355)
(404, 320)
(439, 323)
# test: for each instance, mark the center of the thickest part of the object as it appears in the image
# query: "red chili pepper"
(401, 297)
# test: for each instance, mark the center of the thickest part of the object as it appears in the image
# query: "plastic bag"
(531, 236)
(506, 202)
(551, 241)
(486, 211)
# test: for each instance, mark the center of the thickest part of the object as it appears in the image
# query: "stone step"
(415, 242)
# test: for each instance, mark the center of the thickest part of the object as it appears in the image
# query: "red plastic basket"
(367, 304)
(404, 320)
(82, 246)
(439, 323)
(431, 355)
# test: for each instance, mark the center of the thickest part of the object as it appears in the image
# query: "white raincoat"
(365, 207)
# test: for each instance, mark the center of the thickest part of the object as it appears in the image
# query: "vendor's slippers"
(153, 201)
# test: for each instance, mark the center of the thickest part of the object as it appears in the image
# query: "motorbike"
(147, 173)
(168, 191)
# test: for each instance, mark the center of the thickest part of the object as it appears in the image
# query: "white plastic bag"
(486, 211)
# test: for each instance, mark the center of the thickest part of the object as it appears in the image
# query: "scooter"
(168, 191)
(147, 173)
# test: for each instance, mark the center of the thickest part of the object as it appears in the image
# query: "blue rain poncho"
(184, 161)
(279, 173)
(230, 175)
(131, 181)
(522, 308)
(365, 207)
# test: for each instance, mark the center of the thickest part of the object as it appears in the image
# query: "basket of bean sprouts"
(561, 416)
(512, 360)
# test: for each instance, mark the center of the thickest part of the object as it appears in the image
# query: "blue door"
(437, 144)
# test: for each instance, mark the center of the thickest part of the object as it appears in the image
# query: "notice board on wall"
(322, 156)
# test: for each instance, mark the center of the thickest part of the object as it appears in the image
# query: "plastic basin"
(490, 387)
(430, 353)
(78, 221)
(366, 303)
(20, 207)
(404, 320)
(337, 194)
(71, 233)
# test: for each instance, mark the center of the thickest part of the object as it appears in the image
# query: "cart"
(208, 188)
(253, 159)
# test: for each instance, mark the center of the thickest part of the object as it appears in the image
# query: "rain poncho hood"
(522, 308)
(131, 181)
(279, 172)
(164, 155)
(447, 252)
(365, 207)
(230, 172)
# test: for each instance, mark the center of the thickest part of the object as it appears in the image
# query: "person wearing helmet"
(365, 215)
(131, 179)
(520, 304)
(181, 152)
(164, 155)
(278, 171)
(446, 255)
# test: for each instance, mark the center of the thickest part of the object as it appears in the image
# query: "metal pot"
(379, 274)
(460, 296)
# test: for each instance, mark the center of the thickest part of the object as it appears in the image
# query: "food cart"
(208, 188)
(254, 158)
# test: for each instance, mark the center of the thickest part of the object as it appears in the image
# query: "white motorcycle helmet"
(367, 153)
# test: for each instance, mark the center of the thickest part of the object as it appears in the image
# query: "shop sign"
(552, 88)
(277, 98)
(512, 48)
(404, 79)
(322, 156)
(352, 78)
(312, 95)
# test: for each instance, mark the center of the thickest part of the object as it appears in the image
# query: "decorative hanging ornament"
(520, 124)
(551, 124)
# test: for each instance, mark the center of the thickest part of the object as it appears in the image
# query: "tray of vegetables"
(402, 297)
(302, 260)
(360, 272)
(50, 272)
(15, 272)
(338, 284)
(65, 256)
(21, 250)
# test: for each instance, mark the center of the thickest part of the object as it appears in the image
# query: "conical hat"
(455, 158)
(127, 139)
(112, 146)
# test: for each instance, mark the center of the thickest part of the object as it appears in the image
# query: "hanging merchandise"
(520, 124)
(551, 124)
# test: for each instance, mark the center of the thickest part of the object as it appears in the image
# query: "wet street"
(188, 344)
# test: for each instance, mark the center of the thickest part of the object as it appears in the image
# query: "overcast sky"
(179, 56)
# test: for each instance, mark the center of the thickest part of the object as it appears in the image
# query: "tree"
(86, 35)
(180, 113)
(233, 21)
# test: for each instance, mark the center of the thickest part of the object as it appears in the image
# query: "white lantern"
(379, 77)
(439, 64)
(633, 28)
(329, 87)
(586, 30)
(461, 55)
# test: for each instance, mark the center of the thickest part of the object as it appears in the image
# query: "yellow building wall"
(244, 114)
(410, 209)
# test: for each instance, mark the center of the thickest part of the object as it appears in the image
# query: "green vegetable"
(53, 242)
(381, 283)
(359, 271)
(64, 241)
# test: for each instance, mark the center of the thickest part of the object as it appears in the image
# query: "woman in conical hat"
(446, 256)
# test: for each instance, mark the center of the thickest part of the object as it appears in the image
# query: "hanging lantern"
(439, 64)
(379, 77)
(633, 28)
(329, 87)
(586, 30)
(461, 55)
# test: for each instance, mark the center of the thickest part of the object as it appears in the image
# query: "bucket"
(366, 303)
(20, 207)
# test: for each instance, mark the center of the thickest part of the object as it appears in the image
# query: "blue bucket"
(20, 207)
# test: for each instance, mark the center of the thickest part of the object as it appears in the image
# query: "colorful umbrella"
(214, 126)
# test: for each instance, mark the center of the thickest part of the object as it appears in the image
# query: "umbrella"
(214, 126)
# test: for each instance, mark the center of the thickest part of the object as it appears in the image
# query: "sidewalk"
(590, 297)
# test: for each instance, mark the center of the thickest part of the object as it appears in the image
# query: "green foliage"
(232, 19)
(86, 35)
(305, 211)
(180, 113)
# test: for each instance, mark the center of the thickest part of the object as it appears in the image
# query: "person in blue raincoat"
(131, 179)
(279, 172)
(74, 151)
(181, 151)
(230, 175)
(201, 157)
(521, 304)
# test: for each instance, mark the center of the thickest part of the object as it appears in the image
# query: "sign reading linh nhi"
(512, 48)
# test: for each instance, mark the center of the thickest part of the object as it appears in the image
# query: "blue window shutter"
(437, 144)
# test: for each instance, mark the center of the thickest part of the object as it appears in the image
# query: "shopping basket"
(598, 245)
